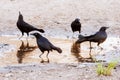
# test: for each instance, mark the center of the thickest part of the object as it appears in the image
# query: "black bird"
(99, 37)
(45, 45)
(25, 27)
(76, 25)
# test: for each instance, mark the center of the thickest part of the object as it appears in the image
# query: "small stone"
(9, 75)
(81, 66)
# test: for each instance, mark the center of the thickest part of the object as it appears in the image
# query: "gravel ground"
(54, 71)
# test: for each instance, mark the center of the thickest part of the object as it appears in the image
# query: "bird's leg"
(47, 57)
(21, 36)
(41, 55)
(99, 46)
(90, 46)
(42, 61)
(90, 53)
(27, 46)
(27, 36)
(73, 35)
(41, 58)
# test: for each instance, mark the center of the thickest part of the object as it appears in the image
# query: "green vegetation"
(106, 71)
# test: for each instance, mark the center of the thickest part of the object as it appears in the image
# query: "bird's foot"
(42, 61)
(90, 55)
(20, 37)
(100, 48)
(40, 55)
(48, 61)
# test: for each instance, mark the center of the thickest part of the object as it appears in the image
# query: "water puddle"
(26, 51)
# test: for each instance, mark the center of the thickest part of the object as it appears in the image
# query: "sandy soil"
(54, 71)
(55, 17)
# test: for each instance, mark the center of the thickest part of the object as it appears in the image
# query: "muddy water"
(26, 51)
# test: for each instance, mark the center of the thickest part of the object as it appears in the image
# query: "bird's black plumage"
(99, 37)
(76, 25)
(25, 27)
(44, 44)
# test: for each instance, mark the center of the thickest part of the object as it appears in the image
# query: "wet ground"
(26, 51)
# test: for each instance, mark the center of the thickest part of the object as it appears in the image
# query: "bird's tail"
(82, 38)
(40, 30)
(57, 49)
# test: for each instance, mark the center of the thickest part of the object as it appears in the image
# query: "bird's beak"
(78, 19)
(31, 34)
(107, 27)
(19, 13)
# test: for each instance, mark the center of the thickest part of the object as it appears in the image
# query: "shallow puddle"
(26, 51)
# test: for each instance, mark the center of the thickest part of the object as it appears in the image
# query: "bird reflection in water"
(24, 50)
(76, 50)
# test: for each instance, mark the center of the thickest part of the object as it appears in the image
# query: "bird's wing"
(96, 37)
(28, 26)
(92, 37)
(44, 43)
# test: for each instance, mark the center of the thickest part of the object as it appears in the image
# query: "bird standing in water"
(45, 45)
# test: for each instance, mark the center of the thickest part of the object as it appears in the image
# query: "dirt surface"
(56, 16)
(19, 59)
(54, 71)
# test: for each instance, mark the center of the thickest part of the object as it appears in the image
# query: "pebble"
(81, 66)
(9, 75)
